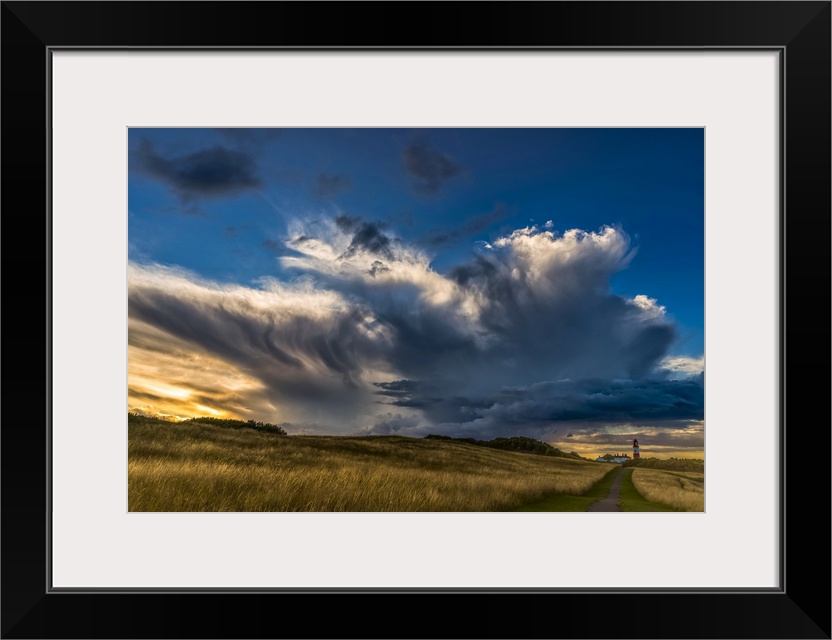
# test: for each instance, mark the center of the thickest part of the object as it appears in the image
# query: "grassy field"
(565, 502)
(690, 475)
(201, 467)
(632, 500)
(675, 490)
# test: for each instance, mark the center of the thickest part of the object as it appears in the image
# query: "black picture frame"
(799, 608)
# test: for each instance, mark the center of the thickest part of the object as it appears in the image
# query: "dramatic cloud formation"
(600, 401)
(342, 281)
(210, 173)
(368, 338)
(532, 410)
(428, 167)
(307, 348)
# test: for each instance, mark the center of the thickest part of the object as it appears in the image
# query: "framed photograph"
(385, 323)
(387, 314)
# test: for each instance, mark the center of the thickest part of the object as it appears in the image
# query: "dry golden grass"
(687, 493)
(690, 475)
(206, 468)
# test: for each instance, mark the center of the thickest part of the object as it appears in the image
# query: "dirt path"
(610, 503)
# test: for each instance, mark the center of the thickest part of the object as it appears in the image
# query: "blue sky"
(454, 246)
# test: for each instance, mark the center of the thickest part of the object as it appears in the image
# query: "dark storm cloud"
(392, 423)
(409, 393)
(655, 402)
(366, 237)
(437, 406)
(428, 167)
(399, 388)
(440, 237)
(636, 401)
(210, 173)
(426, 345)
(347, 224)
(370, 237)
(326, 186)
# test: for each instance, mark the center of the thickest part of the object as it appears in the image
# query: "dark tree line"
(225, 423)
(516, 443)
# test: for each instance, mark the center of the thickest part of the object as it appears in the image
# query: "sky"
(468, 282)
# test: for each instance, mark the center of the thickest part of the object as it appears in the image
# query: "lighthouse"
(635, 449)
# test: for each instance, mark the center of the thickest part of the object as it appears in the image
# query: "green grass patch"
(632, 500)
(565, 502)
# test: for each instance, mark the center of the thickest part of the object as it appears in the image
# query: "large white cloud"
(365, 309)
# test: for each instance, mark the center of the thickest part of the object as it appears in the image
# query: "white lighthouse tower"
(635, 449)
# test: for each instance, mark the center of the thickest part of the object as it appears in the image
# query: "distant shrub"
(140, 418)
(522, 444)
(226, 423)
